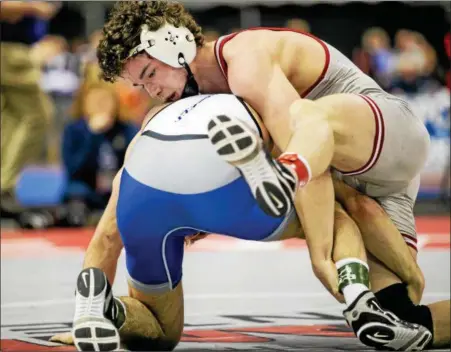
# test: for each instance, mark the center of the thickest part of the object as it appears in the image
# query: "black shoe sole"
(237, 145)
(93, 331)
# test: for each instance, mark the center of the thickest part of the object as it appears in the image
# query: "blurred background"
(64, 133)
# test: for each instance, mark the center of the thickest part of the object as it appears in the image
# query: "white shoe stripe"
(269, 201)
(91, 289)
(287, 185)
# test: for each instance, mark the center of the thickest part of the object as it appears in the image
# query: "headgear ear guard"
(174, 46)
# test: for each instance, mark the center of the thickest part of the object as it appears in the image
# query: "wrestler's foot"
(93, 330)
(382, 329)
(272, 183)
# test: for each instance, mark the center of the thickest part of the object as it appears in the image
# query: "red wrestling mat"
(229, 336)
(434, 233)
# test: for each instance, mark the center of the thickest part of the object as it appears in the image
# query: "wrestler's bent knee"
(304, 112)
(395, 298)
(363, 207)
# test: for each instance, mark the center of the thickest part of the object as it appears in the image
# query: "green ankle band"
(352, 273)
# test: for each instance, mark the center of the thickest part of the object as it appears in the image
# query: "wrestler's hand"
(64, 338)
(326, 272)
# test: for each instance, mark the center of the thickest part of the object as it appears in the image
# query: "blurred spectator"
(411, 57)
(429, 52)
(362, 59)
(415, 62)
(134, 102)
(25, 108)
(376, 44)
(90, 67)
(61, 68)
(77, 45)
(211, 34)
(447, 42)
(93, 150)
(61, 71)
(89, 50)
(298, 24)
(406, 68)
(411, 60)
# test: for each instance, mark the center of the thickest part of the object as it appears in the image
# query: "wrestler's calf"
(141, 330)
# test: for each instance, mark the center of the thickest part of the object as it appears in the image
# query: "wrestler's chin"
(177, 95)
(173, 97)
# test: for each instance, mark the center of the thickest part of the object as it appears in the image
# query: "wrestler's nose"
(153, 90)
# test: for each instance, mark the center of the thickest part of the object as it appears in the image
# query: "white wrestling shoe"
(272, 184)
(92, 329)
(381, 329)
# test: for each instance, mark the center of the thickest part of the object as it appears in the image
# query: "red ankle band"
(299, 164)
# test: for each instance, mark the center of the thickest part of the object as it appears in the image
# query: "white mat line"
(212, 296)
(223, 296)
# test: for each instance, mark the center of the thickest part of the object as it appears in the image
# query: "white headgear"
(174, 46)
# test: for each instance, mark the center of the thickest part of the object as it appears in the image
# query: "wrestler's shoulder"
(244, 44)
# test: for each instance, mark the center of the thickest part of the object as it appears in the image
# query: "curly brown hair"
(122, 30)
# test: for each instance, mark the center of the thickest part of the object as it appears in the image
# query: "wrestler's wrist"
(320, 260)
(300, 166)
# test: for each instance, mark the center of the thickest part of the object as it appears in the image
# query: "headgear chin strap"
(175, 46)
(191, 87)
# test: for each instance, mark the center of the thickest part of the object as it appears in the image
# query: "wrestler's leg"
(315, 126)
(145, 322)
(151, 322)
(392, 295)
(154, 313)
(365, 313)
(349, 248)
(311, 150)
(314, 203)
(383, 241)
(381, 237)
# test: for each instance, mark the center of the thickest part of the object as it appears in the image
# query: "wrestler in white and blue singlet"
(174, 184)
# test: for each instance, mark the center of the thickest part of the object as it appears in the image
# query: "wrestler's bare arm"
(266, 88)
(106, 245)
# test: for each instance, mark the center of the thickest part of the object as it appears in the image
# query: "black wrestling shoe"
(272, 184)
(381, 329)
(93, 328)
